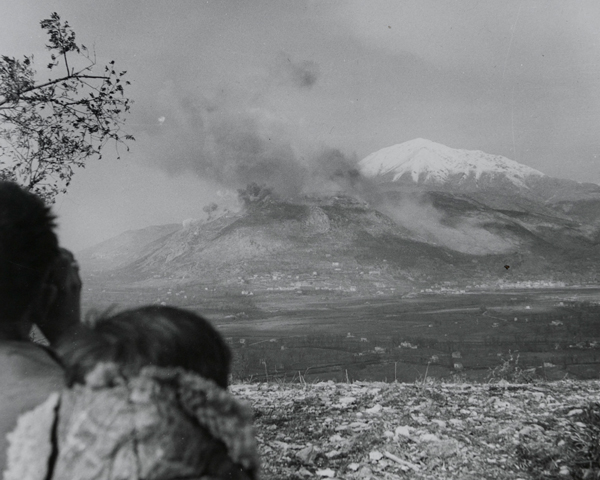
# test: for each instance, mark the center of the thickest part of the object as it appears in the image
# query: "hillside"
(426, 162)
(419, 213)
(307, 237)
(433, 166)
(340, 242)
(427, 430)
(120, 249)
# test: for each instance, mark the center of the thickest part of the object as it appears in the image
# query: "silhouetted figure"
(39, 284)
(148, 400)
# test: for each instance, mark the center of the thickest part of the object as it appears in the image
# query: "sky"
(287, 93)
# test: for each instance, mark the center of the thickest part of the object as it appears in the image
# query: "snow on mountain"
(428, 162)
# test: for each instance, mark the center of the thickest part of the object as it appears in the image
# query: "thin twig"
(54, 82)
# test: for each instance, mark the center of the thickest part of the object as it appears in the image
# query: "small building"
(456, 355)
(458, 366)
(363, 339)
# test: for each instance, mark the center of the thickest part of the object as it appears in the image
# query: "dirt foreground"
(427, 430)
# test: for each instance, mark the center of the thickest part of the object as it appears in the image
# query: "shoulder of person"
(30, 443)
(28, 375)
(28, 358)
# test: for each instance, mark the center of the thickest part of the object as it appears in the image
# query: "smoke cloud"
(225, 139)
(235, 138)
(466, 235)
(301, 74)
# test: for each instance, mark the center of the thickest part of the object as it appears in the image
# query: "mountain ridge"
(342, 243)
(408, 232)
(431, 162)
(432, 165)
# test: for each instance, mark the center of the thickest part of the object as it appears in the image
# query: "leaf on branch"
(49, 128)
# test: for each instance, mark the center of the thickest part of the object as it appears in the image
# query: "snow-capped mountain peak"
(424, 161)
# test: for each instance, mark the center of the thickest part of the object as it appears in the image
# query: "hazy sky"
(229, 91)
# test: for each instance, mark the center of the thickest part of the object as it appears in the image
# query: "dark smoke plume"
(235, 136)
(225, 139)
(301, 74)
(235, 140)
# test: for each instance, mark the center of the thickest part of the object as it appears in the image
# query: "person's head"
(28, 248)
(153, 335)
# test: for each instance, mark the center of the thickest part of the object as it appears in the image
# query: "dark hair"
(28, 246)
(153, 335)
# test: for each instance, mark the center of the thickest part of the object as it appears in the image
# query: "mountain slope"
(431, 165)
(427, 162)
(434, 215)
(339, 243)
(330, 243)
(123, 248)
(467, 223)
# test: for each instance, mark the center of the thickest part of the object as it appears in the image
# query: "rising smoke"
(301, 74)
(466, 235)
(234, 139)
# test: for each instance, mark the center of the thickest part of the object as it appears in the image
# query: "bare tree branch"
(48, 128)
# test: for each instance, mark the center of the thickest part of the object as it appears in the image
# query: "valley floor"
(426, 430)
(550, 334)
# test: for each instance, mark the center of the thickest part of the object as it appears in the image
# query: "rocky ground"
(427, 430)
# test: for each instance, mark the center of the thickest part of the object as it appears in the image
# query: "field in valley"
(304, 335)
